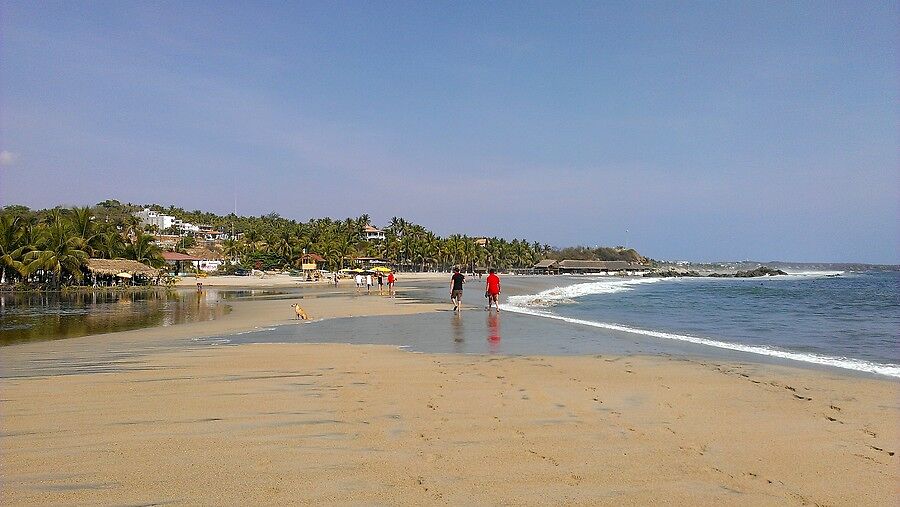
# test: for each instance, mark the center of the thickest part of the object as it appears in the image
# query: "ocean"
(848, 321)
(844, 320)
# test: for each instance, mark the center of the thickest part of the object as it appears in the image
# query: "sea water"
(821, 320)
(845, 320)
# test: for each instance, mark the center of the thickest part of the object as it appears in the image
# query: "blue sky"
(708, 130)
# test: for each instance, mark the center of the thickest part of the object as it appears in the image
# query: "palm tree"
(110, 245)
(11, 246)
(282, 244)
(143, 249)
(59, 253)
(254, 240)
(339, 250)
(233, 248)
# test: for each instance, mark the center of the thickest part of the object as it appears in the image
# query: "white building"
(185, 227)
(150, 217)
(164, 222)
(372, 233)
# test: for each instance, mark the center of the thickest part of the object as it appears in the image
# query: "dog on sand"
(301, 315)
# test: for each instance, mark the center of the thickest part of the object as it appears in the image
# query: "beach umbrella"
(124, 275)
(382, 269)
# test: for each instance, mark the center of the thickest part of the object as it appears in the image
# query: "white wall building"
(150, 217)
(210, 264)
(372, 233)
(164, 222)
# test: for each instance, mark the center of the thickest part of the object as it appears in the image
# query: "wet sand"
(300, 423)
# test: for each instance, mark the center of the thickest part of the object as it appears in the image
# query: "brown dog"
(300, 313)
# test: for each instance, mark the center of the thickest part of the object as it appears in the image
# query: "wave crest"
(568, 294)
(890, 370)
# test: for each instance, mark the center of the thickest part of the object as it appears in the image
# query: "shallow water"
(472, 331)
(849, 320)
(55, 315)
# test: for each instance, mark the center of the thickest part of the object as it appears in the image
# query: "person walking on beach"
(492, 290)
(380, 283)
(368, 283)
(456, 288)
(359, 281)
(391, 280)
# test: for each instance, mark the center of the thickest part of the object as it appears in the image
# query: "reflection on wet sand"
(459, 332)
(493, 338)
(55, 315)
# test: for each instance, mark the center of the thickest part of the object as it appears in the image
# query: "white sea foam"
(562, 295)
(798, 275)
(891, 370)
(212, 341)
(815, 273)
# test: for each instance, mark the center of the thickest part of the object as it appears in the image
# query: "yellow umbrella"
(382, 269)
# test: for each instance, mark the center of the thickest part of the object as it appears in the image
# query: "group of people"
(491, 290)
(368, 280)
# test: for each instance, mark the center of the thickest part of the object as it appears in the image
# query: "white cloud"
(8, 158)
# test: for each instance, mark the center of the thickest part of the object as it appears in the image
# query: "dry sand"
(287, 424)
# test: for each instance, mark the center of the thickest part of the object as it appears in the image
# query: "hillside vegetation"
(51, 246)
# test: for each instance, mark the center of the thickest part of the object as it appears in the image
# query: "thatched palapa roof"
(205, 253)
(176, 256)
(593, 265)
(116, 266)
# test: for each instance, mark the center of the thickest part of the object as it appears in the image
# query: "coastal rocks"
(671, 272)
(760, 271)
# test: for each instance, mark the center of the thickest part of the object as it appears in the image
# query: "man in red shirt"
(391, 280)
(492, 290)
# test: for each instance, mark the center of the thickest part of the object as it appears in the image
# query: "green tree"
(142, 248)
(59, 254)
(12, 248)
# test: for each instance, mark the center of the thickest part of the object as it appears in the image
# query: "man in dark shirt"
(456, 288)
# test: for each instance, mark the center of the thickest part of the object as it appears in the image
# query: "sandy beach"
(329, 423)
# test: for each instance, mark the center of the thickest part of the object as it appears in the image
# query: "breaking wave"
(538, 305)
(891, 370)
(566, 295)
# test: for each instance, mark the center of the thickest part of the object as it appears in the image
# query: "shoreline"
(251, 314)
(144, 419)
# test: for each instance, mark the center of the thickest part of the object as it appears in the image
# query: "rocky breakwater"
(753, 273)
(672, 272)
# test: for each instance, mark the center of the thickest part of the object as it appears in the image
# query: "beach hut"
(109, 270)
(598, 267)
(177, 260)
(210, 259)
(547, 267)
(370, 262)
(312, 262)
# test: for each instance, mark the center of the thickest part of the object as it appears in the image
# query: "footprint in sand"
(889, 453)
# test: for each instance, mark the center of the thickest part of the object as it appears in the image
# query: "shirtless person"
(456, 288)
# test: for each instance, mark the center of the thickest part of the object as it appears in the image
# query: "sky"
(688, 130)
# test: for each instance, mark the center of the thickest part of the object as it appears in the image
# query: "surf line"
(838, 362)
